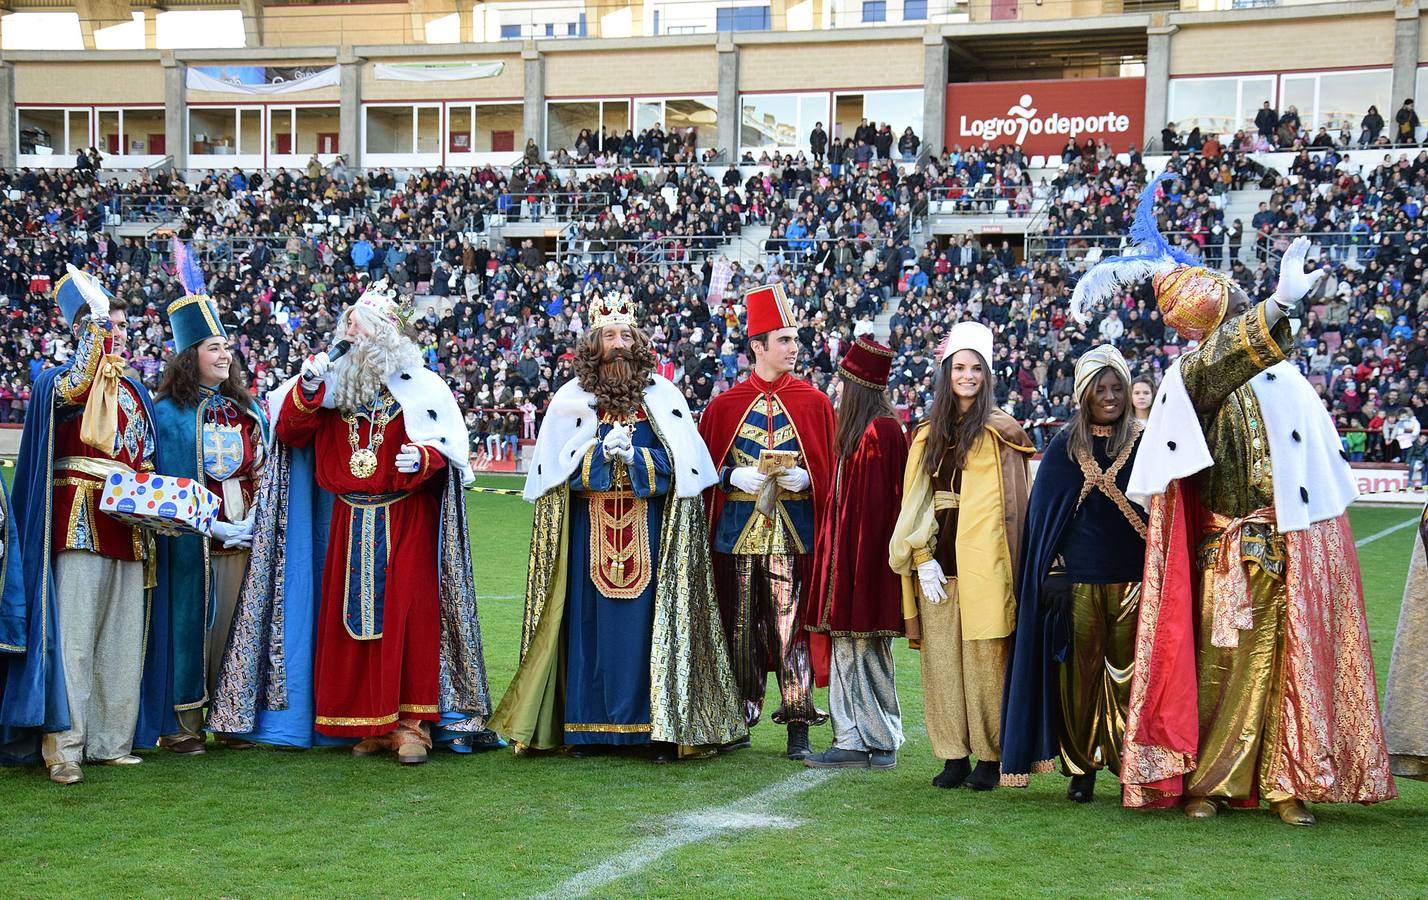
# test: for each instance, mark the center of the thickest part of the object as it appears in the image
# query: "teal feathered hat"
(194, 317)
(69, 292)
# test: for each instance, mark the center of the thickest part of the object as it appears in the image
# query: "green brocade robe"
(693, 701)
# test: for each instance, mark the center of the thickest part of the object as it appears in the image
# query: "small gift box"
(168, 505)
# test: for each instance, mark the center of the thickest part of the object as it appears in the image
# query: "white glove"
(747, 479)
(1294, 285)
(409, 459)
(794, 480)
(617, 441)
(90, 290)
(235, 534)
(314, 370)
(929, 575)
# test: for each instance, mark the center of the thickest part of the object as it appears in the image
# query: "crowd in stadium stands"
(284, 251)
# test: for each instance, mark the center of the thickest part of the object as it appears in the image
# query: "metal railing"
(1353, 248)
(983, 200)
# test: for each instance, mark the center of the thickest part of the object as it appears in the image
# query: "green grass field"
(265, 823)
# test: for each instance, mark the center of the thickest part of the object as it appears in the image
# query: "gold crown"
(614, 309)
(382, 298)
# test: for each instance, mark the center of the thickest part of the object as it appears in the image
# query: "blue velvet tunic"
(610, 606)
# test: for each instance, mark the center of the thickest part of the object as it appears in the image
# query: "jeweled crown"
(612, 309)
(382, 298)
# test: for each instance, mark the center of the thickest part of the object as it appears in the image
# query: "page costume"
(857, 597)
(223, 445)
(1405, 702)
(970, 521)
(1070, 673)
(621, 640)
(762, 565)
(91, 676)
(1251, 589)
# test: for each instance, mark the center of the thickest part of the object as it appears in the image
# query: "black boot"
(985, 776)
(1082, 789)
(798, 746)
(953, 773)
(664, 752)
(742, 743)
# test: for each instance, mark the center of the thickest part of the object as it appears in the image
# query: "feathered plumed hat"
(1192, 299)
(193, 317)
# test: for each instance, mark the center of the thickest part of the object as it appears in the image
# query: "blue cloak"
(1031, 706)
(33, 700)
(183, 560)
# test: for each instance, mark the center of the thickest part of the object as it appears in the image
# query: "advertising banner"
(265, 80)
(445, 71)
(1039, 116)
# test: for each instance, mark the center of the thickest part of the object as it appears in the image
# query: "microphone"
(339, 350)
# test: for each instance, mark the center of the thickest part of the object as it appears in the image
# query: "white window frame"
(294, 159)
(124, 159)
(245, 155)
(1240, 80)
(801, 129)
(410, 157)
(62, 158)
(473, 157)
(629, 103)
(1310, 121)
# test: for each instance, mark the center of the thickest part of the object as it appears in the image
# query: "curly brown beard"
(617, 379)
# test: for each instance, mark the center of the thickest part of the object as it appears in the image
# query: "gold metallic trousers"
(1096, 676)
(962, 684)
(765, 632)
(1240, 692)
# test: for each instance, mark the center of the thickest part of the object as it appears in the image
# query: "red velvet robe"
(362, 687)
(855, 592)
(813, 418)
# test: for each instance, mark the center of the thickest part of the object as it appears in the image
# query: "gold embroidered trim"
(610, 552)
(604, 728)
(418, 708)
(1102, 431)
(585, 466)
(356, 720)
(1248, 344)
(298, 401)
(783, 496)
(207, 307)
(863, 381)
(1269, 340)
(1105, 482)
(650, 470)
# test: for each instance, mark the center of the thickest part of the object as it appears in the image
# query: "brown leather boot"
(412, 742)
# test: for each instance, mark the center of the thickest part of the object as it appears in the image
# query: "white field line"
(752, 811)
(1386, 532)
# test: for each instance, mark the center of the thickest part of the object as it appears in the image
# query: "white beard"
(358, 376)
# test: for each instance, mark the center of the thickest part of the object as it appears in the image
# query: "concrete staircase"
(1243, 205)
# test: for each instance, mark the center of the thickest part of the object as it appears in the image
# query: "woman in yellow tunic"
(956, 544)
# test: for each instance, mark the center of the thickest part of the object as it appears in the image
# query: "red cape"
(814, 423)
(854, 589)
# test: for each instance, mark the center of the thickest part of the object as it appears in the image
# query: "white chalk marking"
(1387, 531)
(751, 812)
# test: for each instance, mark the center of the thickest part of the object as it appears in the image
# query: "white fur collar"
(431, 415)
(1312, 480)
(569, 430)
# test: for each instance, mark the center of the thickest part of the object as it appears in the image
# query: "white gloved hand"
(929, 575)
(90, 290)
(616, 441)
(314, 370)
(1294, 284)
(794, 479)
(235, 534)
(409, 459)
(747, 479)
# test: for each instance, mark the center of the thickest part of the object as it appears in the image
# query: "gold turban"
(1093, 361)
(1192, 299)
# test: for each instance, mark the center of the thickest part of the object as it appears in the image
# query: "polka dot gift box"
(168, 505)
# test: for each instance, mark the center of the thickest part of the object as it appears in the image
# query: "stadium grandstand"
(898, 164)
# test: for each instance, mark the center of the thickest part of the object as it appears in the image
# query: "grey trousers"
(100, 606)
(228, 572)
(862, 695)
